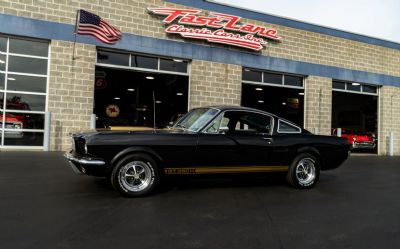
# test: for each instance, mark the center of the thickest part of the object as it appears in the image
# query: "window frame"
(272, 122)
(5, 92)
(346, 83)
(289, 123)
(282, 74)
(142, 69)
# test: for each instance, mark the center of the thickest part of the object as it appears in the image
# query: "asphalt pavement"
(43, 204)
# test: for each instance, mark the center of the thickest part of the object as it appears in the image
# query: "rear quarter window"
(285, 127)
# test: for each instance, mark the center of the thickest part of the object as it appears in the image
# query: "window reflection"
(18, 138)
(2, 81)
(173, 65)
(3, 44)
(27, 65)
(252, 75)
(113, 58)
(273, 78)
(3, 59)
(144, 62)
(293, 81)
(354, 87)
(26, 83)
(369, 89)
(1, 100)
(35, 48)
(18, 101)
(24, 121)
(339, 85)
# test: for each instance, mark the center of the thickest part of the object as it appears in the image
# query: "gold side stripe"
(221, 170)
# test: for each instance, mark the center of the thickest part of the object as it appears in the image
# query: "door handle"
(268, 140)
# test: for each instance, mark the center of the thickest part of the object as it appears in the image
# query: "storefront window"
(27, 65)
(173, 65)
(26, 83)
(27, 120)
(273, 78)
(144, 62)
(250, 75)
(369, 89)
(23, 89)
(19, 101)
(23, 138)
(3, 61)
(293, 81)
(2, 75)
(3, 45)
(354, 87)
(113, 58)
(339, 85)
(26, 47)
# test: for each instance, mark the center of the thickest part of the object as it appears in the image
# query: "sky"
(375, 18)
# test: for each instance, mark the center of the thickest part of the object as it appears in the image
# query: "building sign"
(112, 111)
(216, 28)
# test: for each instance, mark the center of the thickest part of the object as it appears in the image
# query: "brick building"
(318, 77)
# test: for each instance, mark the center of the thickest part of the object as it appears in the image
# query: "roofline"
(211, 5)
(238, 107)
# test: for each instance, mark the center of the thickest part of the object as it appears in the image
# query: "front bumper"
(85, 165)
(364, 145)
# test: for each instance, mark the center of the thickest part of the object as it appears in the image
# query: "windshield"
(196, 119)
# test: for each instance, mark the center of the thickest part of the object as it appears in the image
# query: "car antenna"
(154, 111)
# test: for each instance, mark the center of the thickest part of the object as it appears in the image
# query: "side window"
(255, 123)
(285, 127)
(241, 122)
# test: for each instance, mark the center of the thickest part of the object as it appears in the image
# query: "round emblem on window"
(112, 111)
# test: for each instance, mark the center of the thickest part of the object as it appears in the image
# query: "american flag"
(94, 25)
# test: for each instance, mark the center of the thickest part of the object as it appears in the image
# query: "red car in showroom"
(358, 140)
(14, 122)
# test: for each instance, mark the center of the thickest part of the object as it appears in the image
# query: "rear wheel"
(303, 171)
(135, 175)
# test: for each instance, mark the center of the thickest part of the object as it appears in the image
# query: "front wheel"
(303, 171)
(135, 175)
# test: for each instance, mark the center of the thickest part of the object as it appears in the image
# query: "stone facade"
(71, 90)
(318, 105)
(389, 116)
(214, 83)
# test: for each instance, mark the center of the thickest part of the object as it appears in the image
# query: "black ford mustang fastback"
(209, 140)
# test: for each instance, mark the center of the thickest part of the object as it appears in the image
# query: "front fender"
(135, 149)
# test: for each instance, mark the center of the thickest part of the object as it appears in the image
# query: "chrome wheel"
(305, 171)
(135, 176)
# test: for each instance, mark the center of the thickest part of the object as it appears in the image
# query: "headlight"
(18, 126)
(85, 148)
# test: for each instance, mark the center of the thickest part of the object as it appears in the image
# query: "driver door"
(237, 139)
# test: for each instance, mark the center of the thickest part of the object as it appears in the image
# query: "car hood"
(363, 138)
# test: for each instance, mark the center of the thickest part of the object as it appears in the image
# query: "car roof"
(243, 108)
(239, 108)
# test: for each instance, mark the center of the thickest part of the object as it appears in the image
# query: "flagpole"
(76, 32)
